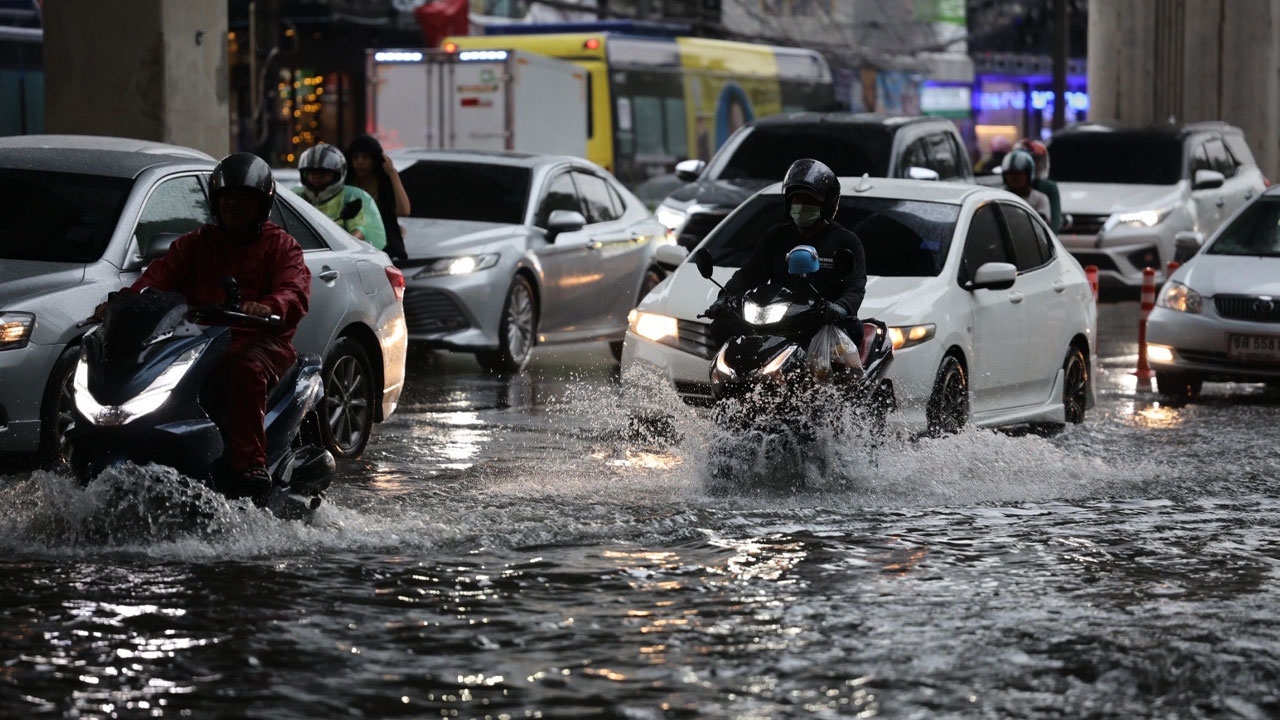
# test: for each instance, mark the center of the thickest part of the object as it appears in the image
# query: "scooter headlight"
(764, 314)
(149, 400)
(779, 360)
(722, 369)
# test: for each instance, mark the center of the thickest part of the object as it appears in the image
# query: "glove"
(834, 313)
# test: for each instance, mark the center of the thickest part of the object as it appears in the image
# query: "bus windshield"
(901, 238)
(483, 192)
(765, 152)
(1131, 158)
(58, 217)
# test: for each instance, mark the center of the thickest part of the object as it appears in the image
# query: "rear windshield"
(467, 191)
(1254, 232)
(765, 153)
(1110, 157)
(901, 238)
(58, 217)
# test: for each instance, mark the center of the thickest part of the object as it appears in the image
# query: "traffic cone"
(1148, 303)
(1091, 273)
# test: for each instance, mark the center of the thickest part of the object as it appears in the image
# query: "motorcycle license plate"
(1254, 348)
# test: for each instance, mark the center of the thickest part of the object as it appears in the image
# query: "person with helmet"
(323, 169)
(1018, 172)
(1040, 152)
(1000, 147)
(272, 279)
(811, 195)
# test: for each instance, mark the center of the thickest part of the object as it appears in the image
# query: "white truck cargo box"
(478, 100)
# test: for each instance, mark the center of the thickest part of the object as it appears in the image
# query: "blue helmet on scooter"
(803, 260)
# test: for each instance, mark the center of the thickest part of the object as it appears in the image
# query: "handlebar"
(234, 316)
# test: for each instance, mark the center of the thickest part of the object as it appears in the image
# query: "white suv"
(1140, 197)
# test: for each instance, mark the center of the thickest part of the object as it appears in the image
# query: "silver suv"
(759, 154)
(1140, 197)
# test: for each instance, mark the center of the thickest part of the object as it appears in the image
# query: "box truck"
(477, 100)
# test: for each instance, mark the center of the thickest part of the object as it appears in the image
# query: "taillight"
(1266, 182)
(396, 278)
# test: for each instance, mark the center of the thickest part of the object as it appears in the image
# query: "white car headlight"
(1143, 218)
(909, 335)
(458, 265)
(655, 327)
(764, 314)
(671, 218)
(15, 330)
(1181, 298)
(149, 400)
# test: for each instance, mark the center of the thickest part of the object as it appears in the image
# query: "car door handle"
(1221, 202)
(1248, 195)
(1059, 286)
(329, 274)
(1015, 297)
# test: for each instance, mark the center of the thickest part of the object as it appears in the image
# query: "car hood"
(686, 293)
(1108, 198)
(1232, 275)
(442, 238)
(21, 279)
(726, 194)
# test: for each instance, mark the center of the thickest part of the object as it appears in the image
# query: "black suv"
(759, 154)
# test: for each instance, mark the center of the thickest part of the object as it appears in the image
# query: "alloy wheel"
(347, 403)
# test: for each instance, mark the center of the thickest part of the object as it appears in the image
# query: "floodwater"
(516, 550)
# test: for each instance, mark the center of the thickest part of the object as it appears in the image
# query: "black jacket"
(768, 261)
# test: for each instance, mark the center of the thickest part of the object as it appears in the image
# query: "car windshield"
(1129, 158)
(901, 238)
(765, 152)
(58, 217)
(1254, 232)
(483, 192)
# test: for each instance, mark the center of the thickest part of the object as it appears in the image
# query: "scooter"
(763, 377)
(138, 398)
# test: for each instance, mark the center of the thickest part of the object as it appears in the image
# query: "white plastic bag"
(830, 348)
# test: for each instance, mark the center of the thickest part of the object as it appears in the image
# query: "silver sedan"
(510, 250)
(82, 211)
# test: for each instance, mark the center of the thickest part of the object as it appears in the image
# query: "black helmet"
(811, 176)
(323, 157)
(1019, 161)
(242, 170)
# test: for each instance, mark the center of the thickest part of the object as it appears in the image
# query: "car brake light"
(1266, 182)
(396, 278)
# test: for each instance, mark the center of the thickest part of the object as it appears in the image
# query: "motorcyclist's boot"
(253, 483)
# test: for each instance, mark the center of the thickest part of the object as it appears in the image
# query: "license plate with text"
(1254, 348)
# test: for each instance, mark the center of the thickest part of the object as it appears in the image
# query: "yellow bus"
(654, 101)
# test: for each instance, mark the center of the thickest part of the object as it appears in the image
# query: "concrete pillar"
(1189, 60)
(147, 69)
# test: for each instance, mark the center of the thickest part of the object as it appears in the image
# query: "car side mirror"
(157, 246)
(1186, 244)
(915, 172)
(690, 170)
(706, 266)
(1208, 180)
(842, 263)
(560, 221)
(994, 276)
(669, 257)
(351, 209)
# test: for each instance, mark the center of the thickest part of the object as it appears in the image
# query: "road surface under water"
(513, 549)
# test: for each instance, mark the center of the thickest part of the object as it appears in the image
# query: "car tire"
(517, 332)
(651, 280)
(947, 411)
(1178, 386)
(1075, 393)
(57, 410)
(345, 415)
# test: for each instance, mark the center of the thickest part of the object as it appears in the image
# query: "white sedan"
(1218, 316)
(993, 322)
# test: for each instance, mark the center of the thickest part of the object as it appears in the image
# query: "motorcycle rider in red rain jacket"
(272, 279)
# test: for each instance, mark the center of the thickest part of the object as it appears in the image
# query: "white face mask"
(805, 216)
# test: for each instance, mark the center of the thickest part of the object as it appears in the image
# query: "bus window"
(650, 134)
(677, 128)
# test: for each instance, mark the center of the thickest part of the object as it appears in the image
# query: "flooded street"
(514, 549)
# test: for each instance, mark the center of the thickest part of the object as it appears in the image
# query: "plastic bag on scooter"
(832, 348)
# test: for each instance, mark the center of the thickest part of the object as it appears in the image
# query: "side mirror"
(158, 245)
(690, 170)
(915, 172)
(1208, 180)
(1186, 244)
(564, 221)
(994, 276)
(351, 209)
(706, 266)
(669, 257)
(842, 263)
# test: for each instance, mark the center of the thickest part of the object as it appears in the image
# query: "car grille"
(697, 227)
(431, 311)
(695, 339)
(1248, 307)
(1085, 224)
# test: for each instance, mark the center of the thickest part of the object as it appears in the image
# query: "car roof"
(86, 154)
(892, 122)
(102, 142)
(1178, 130)
(951, 193)
(490, 157)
